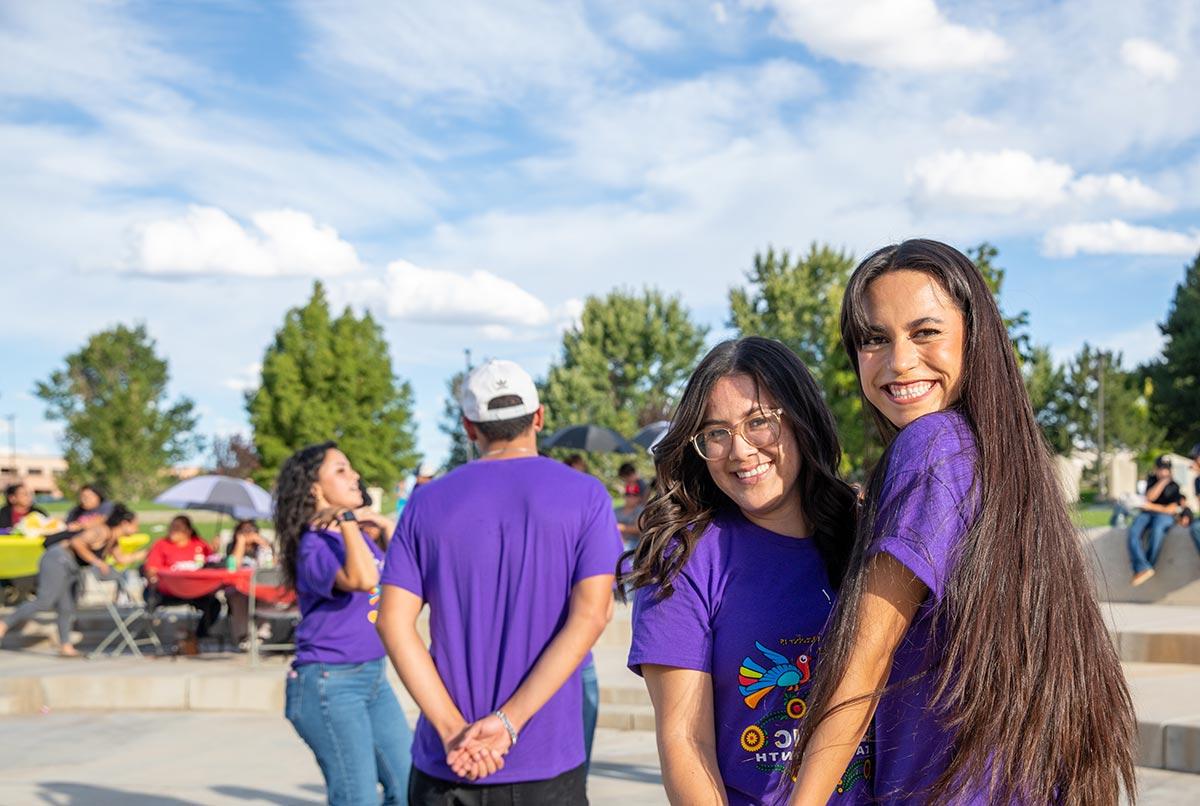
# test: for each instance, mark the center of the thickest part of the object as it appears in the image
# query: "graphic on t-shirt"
(757, 682)
(373, 602)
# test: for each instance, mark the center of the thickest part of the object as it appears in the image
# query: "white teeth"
(758, 471)
(909, 390)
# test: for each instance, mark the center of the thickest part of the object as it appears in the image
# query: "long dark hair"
(1028, 680)
(295, 504)
(688, 498)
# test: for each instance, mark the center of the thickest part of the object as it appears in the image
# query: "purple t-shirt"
(928, 502)
(495, 548)
(336, 626)
(748, 608)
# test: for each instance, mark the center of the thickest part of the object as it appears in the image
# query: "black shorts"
(567, 789)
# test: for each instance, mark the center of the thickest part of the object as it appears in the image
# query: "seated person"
(1163, 499)
(247, 549)
(58, 571)
(1194, 525)
(90, 507)
(18, 504)
(628, 514)
(181, 549)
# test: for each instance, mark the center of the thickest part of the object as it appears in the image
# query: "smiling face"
(761, 481)
(337, 483)
(910, 363)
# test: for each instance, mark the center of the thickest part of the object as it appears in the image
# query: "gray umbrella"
(592, 438)
(237, 497)
(649, 435)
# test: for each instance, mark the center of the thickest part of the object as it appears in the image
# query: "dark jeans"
(568, 789)
(209, 607)
(1158, 523)
(348, 715)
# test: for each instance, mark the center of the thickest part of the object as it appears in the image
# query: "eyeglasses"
(760, 430)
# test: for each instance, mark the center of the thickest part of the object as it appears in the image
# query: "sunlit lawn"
(1091, 515)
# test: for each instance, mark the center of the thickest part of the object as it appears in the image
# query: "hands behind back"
(479, 749)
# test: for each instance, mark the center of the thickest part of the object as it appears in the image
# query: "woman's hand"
(368, 515)
(327, 517)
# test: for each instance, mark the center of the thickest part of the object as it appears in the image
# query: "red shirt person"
(181, 548)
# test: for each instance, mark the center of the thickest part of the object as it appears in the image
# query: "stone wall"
(1177, 575)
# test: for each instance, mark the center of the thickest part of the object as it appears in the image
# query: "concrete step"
(1167, 699)
(625, 717)
(1149, 633)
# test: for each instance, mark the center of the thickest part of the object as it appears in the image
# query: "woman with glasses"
(742, 550)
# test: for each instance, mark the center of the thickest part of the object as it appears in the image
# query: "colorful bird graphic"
(756, 682)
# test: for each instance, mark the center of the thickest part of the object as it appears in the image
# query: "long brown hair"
(1028, 680)
(689, 499)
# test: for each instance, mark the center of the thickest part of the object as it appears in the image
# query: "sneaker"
(1142, 576)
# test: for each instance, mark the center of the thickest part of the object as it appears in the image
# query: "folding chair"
(268, 578)
(133, 630)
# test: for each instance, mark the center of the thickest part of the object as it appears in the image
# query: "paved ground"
(138, 759)
(175, 758)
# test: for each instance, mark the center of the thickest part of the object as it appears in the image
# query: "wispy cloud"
(1117, 237)
(1150, 59)
(896, 34)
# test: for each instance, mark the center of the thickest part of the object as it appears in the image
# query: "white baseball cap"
(497, 378)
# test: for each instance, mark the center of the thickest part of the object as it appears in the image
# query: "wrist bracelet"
(508, 726)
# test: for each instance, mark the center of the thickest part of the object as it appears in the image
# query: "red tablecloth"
(203, 581)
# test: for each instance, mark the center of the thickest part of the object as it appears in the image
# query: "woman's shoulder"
(929, 440)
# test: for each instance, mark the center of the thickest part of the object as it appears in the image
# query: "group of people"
(1164, 506)
(94, 527)
(932, 638)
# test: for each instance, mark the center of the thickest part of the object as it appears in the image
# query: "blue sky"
(471, 171)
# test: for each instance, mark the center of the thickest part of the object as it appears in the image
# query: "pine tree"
(451, 423)
(325, 378)
(1175, 376)
(118, 427)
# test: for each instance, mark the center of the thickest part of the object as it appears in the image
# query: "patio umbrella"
(236, 497)
(649, 435)
(592, 438)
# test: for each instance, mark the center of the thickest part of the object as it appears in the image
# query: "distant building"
(40, 472)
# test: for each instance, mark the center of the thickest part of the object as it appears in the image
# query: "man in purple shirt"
(515, 554)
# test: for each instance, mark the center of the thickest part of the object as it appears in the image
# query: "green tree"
(1047, 386)
(326, 378)
(118, 427)
(451, 423)
(1175, 376)
(984, 256)
(623, 366)
(1127, 422)
(798, 301)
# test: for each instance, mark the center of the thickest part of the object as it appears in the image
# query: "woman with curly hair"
(338, 697)
(966, 624)
(740, 555)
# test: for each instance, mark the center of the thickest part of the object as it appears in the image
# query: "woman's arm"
(687, 735)
(360, 571)
(888, 606)
(81, 544)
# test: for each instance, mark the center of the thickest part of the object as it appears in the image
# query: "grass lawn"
(1088, 516)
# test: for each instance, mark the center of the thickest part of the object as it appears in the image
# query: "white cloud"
(889, 34)
(1012, 181)
(643, 32)
(1117, 237)
(719, 13)
(1150, 59)
(208, 241)
(245, 379)
(479, 298)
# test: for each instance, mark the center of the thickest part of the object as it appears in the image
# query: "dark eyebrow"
(749, 413)
(924, 320)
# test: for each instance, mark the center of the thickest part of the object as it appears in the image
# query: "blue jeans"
(349, 717)
(1195, 530)
(591, 708)
(1158, 523)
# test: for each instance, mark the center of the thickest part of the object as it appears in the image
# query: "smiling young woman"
(966, 625)
(740, 556)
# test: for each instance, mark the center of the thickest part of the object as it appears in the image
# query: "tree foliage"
(798, 301)
(326, 378)
(234, 456)
(451, 422)
(623, 366)
(984, 256)
(1175, 376)
(118, 427)
(1046, 383)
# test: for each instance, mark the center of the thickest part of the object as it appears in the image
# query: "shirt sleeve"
(599, 546)
(317, 566)
(676, 631)
(401, 566)
(154, 558)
